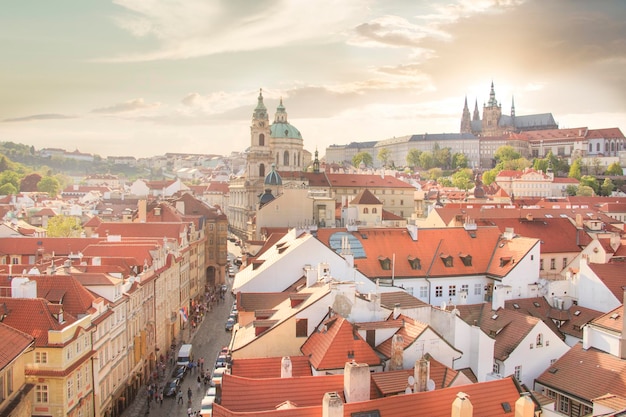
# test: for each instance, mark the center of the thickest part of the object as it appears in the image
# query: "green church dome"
(284, 130)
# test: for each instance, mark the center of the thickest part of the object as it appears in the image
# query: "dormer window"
(466, 259)
(415, 263)
(385, 263)
(447, 260)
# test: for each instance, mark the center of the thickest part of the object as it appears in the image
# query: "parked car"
(171, 388)
(230, 323)
(179, 372)
(216, 377)
(222, 361)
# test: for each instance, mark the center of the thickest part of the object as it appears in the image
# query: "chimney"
(142, 208)
(356, 382)
(461, 406)
(285, 367)
(524, 406)
(396, 361)
(332, 406)
(579, 220)
(422, 374)
(622, 340)
(509, 232)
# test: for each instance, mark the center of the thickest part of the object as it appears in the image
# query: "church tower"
(259, 156)
(466, 123)
(492, 112)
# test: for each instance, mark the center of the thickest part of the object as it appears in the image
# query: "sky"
(145, 77)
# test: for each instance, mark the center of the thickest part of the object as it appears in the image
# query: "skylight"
(355, 244)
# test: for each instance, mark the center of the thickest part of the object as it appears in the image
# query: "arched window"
(261, 139)
(262, 170)
(612, 146)
(539, 340)
(374, 210)
(298, 158)
(295, 159)
(365, 211)
(598, 147)
(286, 159)
(590, 147)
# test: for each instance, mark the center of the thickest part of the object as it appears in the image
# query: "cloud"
(47, 116)
(127, 106)
(193, 28)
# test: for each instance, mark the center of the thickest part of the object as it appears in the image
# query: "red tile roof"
(556, 235)
(269, 367)
(33, 316)
(613, 320)
(366, 181)
(12, 344)
(613, 275)
(336, 343)
(586, 374)
(365, 197)
(408, 328)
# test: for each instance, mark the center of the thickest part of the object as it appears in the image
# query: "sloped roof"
(401, 298)
(33, 316)
(365, 197)
(586, 374)
(557, 235)
(366, 181)
(613, 275)
(613, 320)
(61, 246)
(409, 329)
(269, 367)
(12, 343)
(507, 327)
(155, 230)
(336, 343)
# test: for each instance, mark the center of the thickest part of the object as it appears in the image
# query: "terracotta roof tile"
(613, 320)
(12, 343)
(409, 329)
(613, 275)
(269, 367)
(586, 374)
(336, 343)
(365, 197)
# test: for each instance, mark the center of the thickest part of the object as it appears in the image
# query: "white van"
(185, 355)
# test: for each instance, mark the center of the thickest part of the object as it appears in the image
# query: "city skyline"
(141, 78)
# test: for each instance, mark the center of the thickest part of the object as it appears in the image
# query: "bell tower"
(259, 156)
(492, 112)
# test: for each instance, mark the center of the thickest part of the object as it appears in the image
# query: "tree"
(8, 189)
(571, 189)
(426, 160)
(435, 173)
(442, 157)
(607, 187)
(29, 182)
(614, 169)
(590, 181)
(575, 170)
(49, 185)
(540, 164)
(459, 160)
(10, 177)
(413, 157)
(506, 153)
(462, 179)
(64, 226)
(584, 191)
(383, 156)
(364, 157)
(489, 176)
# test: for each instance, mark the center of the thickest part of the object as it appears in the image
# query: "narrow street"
(207, 341)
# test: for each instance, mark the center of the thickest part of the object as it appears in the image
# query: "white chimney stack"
(461, 406)
(356, 382)
(524, 407)
(332, 406)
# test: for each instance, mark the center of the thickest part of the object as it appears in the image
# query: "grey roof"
(442, 136)
(360, 145)
(544, 120)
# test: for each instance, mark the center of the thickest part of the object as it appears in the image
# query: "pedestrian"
(161, 397)
(189, 412)
(202, 364)
(199, 380)
(189, 393)
(180, 397)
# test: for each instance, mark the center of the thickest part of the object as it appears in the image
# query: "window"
(552, 263)
(301, 327)
(374, 210)
(465, 289)
(539, 342)
(41, 393)
(365, 210)
(541, 264)
(452, 291)
(447, 261)
(286, 158)
(563, 404)
(261, 139)
(423, 291)
(41, 357)
(415, 263)
(2, 397)
(70, 388)
(466, 259)
(385, 263)
(518, 373)
(564, 263)
(438, 291)
(401, 202)
(262, 170)
(496, 368)
(478, 289)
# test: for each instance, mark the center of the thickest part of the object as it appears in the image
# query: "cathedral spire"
(476, 113)
(513, 106)
(492, 97)
(466, 125)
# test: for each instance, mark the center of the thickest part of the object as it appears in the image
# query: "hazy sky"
(145, 77)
